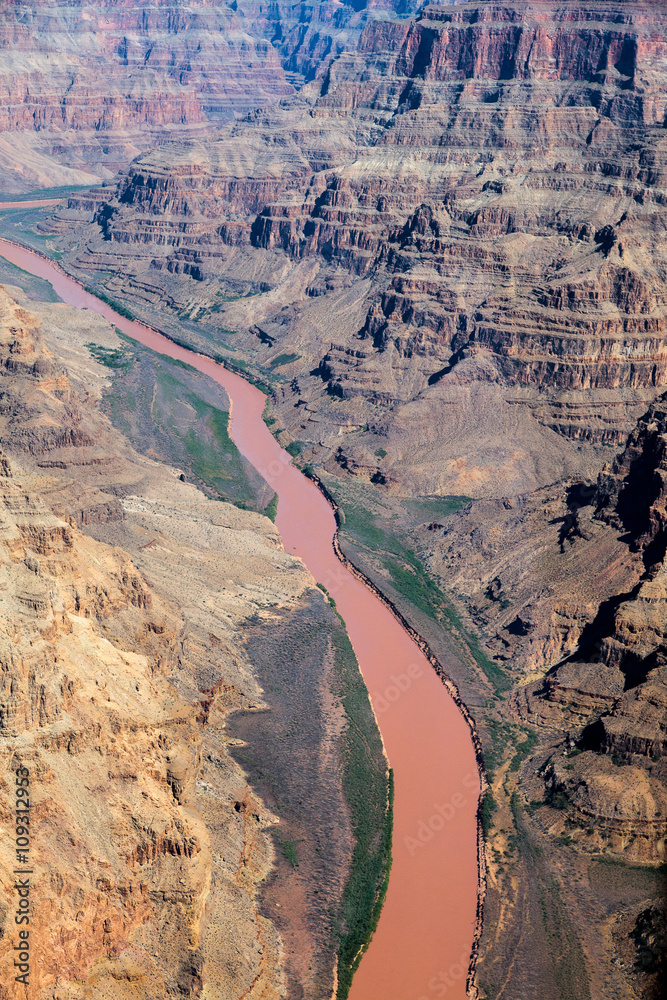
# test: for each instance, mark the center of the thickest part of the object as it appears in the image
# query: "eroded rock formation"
(454, 247)
(568, 586)
(86, 87)
(475, 196)
(117, 676)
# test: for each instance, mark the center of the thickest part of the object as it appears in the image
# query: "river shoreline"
(419, 641)
(452, 688)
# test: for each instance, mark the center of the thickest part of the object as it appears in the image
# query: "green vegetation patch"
(116, 306)
(428, 507)
(504, 736)
(523, 750)
(557, 800)
(487, 808)
(44, 193)
(266, 415)
(271, 508)
(409, 576)
(369, 791)
(283, 359)
(214, 457)
(289, 851)
(166, 409)
(112, 357)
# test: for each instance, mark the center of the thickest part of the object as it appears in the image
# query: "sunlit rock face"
(86, 87)
(149, 850)
(486, 182)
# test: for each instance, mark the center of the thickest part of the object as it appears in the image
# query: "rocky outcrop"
(632, 494)
(117, 680)
(568, 587)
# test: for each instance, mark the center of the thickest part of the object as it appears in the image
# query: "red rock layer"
(498, 172)
(141, 74)
(123, 77)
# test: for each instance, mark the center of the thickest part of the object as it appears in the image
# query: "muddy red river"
(421, 948)
(30, 204)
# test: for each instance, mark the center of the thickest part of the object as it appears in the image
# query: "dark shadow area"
(601, 626)
(517, 627)
(650, 939)
(637, 669)
(592, 737)
(451, 364)
(641, 488)
(578, 495)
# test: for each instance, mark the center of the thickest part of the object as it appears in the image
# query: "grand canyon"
(433, 237)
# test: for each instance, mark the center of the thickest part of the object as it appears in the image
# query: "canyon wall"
(449, 252)
(86, 87)
(567, 587)
(485, 182)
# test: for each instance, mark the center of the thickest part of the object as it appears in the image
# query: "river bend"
(422, 946)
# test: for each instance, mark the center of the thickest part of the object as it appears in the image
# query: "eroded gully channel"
(422, 946)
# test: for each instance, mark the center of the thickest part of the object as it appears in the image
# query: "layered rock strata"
(568, 586)
(480, 190)
(87, 87)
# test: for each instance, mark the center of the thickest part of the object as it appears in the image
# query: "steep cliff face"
(566, 586)
(307, 37)
(85, 87)
(117, 678)
(493, 174)
(578, 614)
